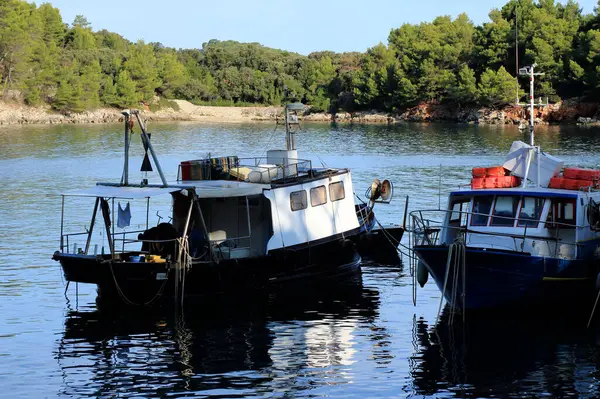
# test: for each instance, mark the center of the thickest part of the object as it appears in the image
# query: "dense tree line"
(72, 67)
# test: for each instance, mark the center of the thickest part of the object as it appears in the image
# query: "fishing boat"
(524, 232)
(237, 225)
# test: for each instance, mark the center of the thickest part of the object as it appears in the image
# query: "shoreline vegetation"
(445, 70)
(572, 111)
(184, 111)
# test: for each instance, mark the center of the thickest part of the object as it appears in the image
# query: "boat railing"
(121, 242)
(123, 238)
(430, 227)
(65, 242)
(129, 242)
(252, 169)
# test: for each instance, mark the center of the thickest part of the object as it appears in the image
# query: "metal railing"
(227, 248)
(434, 230)
(65, 244)
(240, 169)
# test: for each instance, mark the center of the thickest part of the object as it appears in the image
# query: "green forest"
(73, 67)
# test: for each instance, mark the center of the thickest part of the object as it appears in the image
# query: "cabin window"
(298, 200)
(481, 210)
(336, 191)
(459, 214)
(505, 211)
(562, 213)
(531, 211)
(318, 196)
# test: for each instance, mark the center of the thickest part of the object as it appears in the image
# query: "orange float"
(495, 182)
(570, 183)
(490, 171)
(581, 174)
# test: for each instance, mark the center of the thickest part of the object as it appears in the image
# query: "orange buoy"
(508, 181)
(584, 183)
(477, 182)
(495, 171)
(581, 174)
(490, 182)
(490, 171)
(478, 172)
(557, 182)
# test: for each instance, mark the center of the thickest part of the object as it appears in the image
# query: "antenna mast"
(534, 150)
(528, 70)
(517, 50)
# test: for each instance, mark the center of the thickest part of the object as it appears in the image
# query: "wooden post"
(89, 238)
(126, 165)
(62, 222)
(106, 217)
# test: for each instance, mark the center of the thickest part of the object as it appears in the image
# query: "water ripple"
(366, 341)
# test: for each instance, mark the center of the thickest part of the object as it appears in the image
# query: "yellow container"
(155, 259)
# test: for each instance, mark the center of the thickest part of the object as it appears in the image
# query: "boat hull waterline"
(503, 279)
(145, 282)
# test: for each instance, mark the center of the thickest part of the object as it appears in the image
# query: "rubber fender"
(422, 273)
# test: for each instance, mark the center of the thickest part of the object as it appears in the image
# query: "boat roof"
(226, 188)
(533, 192)
(203, 189)
(109, 190)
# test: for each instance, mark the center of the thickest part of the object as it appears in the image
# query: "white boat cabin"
(247, 219)
(541, 221)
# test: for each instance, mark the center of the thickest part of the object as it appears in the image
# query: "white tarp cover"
(516, 162)
(123, 192)
(203, 188)
(224, 188)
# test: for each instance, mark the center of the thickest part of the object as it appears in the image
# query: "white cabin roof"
(532, 191)
(225, 188)
(203, 188)
(126, 192)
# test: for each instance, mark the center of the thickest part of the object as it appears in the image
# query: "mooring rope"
(184, 264)
(455, 264)
(126, 299)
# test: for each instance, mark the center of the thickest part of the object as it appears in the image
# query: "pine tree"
(78, 100)
(64, 97)
(141, 66)
(20, 29)
(497, 87)
(108, 93)
(91, 79)
(125, 86)
(171, 73)
(465, 90)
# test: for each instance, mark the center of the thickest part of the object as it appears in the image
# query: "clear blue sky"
(301, 26)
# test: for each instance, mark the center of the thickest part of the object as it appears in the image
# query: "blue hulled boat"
(526, 232)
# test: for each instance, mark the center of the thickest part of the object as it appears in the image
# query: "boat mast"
(290, 137)
(517, 51)
(529, 71)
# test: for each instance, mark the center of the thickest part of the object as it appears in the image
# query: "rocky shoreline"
(566, 112)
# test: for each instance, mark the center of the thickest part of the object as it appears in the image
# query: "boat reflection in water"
(506, 355)
(236, 349)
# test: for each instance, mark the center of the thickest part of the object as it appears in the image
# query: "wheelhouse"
(514, 219)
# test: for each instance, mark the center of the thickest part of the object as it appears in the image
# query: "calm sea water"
(367, 340)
